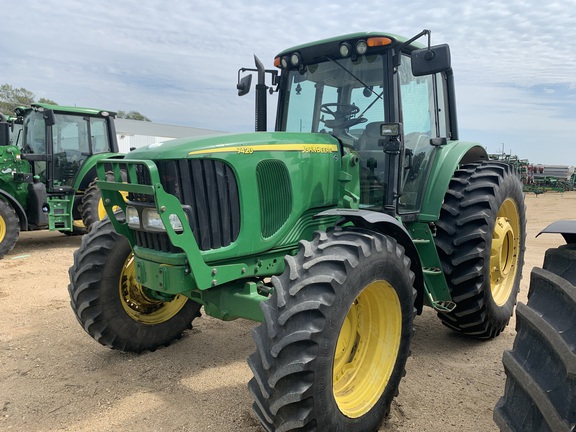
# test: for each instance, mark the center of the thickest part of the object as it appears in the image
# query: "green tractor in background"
(334, 231)
(48, 156)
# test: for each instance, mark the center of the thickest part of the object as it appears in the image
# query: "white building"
(135, 133)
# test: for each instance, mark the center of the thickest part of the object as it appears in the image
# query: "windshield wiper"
(366, 86)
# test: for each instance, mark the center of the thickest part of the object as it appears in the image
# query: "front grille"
(156, 241)
(208, 191)
(143, 176)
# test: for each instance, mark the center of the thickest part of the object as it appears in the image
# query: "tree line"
(12, 97)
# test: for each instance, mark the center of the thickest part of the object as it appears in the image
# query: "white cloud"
(177, 61)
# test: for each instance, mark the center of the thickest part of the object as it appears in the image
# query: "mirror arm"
(408, 42)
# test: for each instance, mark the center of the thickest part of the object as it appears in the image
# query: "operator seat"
(372, 167)
(371, 154)
(369, 138)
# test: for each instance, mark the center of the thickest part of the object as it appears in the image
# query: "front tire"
(9, 228)
(480, 238)
(336, 335)
(112, 306)
(540, 393)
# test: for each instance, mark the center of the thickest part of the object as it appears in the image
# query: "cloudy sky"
(177, 61)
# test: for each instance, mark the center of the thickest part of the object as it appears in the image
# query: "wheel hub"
(504, 252)
(141, 307)
(367, 348)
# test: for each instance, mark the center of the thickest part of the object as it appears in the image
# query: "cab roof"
(396, 39)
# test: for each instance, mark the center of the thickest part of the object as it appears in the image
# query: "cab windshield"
(74, 138)
(73, 135)
(349, 99)
(338, 97)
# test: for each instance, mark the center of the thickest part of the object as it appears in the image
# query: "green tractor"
(540, 393)
(48, 156)
(333, 231)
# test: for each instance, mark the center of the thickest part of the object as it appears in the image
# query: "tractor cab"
(381, 96)
(57, 141)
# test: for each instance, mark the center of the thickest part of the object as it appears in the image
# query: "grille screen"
(209, 193)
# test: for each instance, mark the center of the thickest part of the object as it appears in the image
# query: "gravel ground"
(54, 377)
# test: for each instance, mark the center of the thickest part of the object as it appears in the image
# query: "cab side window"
(422, 119)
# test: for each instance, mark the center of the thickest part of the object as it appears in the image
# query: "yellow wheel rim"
(78, 224)
(102, 209)
(504, 252)
(2, 229)
(141, 307)
(367, 349)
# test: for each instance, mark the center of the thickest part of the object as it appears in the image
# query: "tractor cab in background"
(48, 169)
(57, 141)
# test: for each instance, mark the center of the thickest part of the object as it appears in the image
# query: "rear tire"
(336, 335)
(9, 228)
(92, 209)
(115, 309)
(540, 393)
(480, 239)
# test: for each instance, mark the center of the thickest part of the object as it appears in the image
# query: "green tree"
(132, 115)
(11, 97)
(47, 101)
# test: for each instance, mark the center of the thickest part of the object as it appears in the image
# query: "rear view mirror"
(244, 84)
(49, 117)
(4, 134)
(427, 61)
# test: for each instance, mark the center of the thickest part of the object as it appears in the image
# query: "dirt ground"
(54, 377)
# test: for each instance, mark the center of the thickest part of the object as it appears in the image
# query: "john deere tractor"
(540, 393)
(48, 169)
(333, 231)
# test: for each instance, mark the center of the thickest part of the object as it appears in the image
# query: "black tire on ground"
(480, 238)
(336, 335)
(111, 306)
(9, 228)
(540, 393)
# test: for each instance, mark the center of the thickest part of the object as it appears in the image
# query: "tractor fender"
(448, 158)
(87, 172)
(20, 212)
(386, 224)
(567, 228)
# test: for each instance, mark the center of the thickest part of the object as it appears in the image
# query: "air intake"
(275, 194)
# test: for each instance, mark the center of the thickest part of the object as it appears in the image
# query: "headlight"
(361, 47)
(132, 217)
(345, 49)
(296, 59)
(151, 221)
(176, 223)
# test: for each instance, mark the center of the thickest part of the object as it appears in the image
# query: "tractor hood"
(244, 143)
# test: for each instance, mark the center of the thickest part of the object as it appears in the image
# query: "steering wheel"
(342, 114)
(339, 110)
(69, 155)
